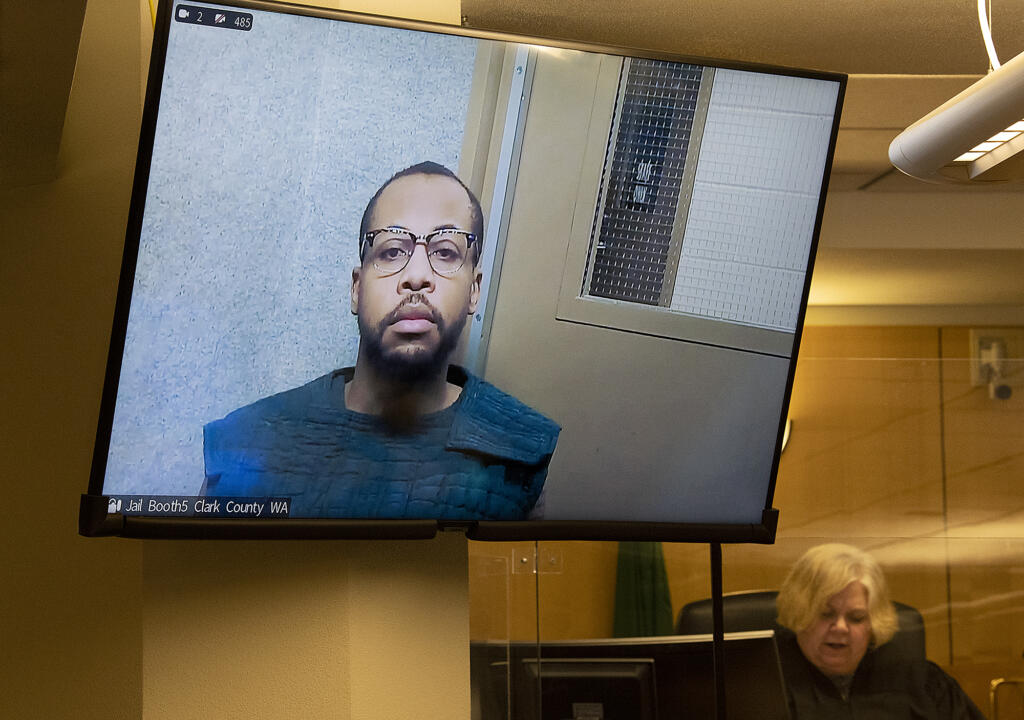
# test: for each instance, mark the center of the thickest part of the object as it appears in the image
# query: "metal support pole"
(718, 634)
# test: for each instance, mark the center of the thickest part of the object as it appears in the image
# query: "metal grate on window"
(634, 244)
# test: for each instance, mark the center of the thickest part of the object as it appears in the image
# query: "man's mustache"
(419, 301)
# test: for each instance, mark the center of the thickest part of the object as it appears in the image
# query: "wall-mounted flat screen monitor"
(383, 277)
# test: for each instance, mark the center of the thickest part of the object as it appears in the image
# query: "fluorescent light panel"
(992, 143)
(1003, 136)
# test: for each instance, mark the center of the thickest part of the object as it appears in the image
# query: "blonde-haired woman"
(835, 605)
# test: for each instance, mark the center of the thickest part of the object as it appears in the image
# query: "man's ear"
(474, 290)
(355, 290)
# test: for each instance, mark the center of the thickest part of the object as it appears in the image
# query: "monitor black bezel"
(94, 520)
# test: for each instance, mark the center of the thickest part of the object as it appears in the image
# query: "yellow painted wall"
(332, 629)
(109, 628)
(70, 608)
(441, 11)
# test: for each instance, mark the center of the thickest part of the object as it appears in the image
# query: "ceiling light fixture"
(976, 136)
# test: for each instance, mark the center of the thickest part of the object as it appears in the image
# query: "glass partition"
(902, 444)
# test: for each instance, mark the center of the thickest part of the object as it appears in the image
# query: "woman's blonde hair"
(825, 570)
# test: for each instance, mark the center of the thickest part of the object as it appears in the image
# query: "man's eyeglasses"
(389, 249)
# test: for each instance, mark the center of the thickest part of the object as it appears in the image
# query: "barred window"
(703, 205)
(647, 181)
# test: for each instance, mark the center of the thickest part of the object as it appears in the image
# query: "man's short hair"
(822, 572)
(429, 167)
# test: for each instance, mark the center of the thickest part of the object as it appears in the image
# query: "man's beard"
(408, 365)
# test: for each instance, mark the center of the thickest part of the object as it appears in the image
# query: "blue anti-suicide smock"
(485, 457)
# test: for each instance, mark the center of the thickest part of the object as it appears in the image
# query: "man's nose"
(418, 274)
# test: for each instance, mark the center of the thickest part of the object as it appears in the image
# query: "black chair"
(755, 610)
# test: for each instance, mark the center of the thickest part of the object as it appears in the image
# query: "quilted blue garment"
(483, 458)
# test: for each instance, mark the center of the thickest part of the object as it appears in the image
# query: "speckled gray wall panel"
(269, 143)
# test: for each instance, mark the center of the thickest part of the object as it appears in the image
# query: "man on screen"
(403, 434)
